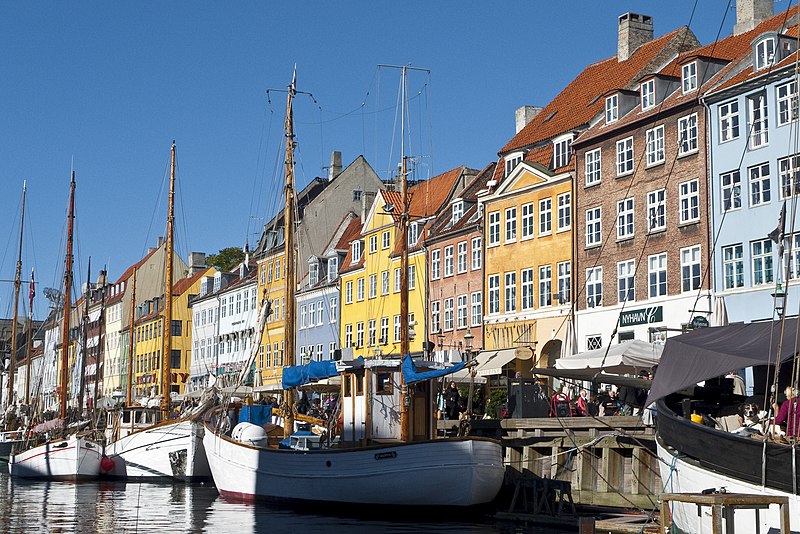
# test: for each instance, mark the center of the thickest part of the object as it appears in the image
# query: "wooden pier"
(724, 506)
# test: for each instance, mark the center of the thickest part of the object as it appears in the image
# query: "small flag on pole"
(777, 234)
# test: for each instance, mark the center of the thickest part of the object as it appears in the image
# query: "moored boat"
(71, 459)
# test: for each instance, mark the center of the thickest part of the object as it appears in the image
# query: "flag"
(31, 292)
(777, 234)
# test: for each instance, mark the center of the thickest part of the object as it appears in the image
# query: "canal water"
(118, 507)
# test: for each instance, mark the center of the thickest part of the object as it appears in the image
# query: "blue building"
(753, 172)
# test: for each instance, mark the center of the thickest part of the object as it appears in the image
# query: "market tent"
(626, 357)
(711, 352)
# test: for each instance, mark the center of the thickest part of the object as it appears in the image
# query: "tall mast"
(131, 340)
(17, 283)
(404, 220)
(85, 337)
(67, 288)
(100, 342)
(289, 256)
(166, 350)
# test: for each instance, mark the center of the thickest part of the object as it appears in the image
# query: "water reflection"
(106, 507)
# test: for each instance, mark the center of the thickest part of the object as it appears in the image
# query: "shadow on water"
(106, 507)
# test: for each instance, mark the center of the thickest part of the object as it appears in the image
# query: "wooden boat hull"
(447, 472)
(695, 457)
(74, 458)
(166, 451)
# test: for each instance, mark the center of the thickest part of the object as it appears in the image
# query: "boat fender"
(106, 464)
(250, 434)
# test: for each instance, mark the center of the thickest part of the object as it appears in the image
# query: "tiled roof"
(185, 283)
(426, 198)
(580, 101)
(352, 231)
(441, 225)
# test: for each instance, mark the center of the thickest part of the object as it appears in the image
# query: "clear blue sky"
(112, 84)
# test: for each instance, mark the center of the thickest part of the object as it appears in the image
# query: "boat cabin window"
(383, 383)
(359, 378)
(348, 387)
(126, 417)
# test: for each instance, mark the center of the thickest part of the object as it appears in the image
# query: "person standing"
(451, 398)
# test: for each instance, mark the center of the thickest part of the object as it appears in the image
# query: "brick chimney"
(749, 13)
(634, 31)
(526, 114)
(335, 168)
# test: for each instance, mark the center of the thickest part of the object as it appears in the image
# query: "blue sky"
(110, 85)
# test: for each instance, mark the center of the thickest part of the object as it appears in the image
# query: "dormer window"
(356, 246)
(204, 285)
(512, 160)
(612, 109)
(562, 149)
(333, 268)
(765, 53)
(217, 281)
(689, 77)
(648, 90)
(413, 233)
(458, 211)
(313, 272)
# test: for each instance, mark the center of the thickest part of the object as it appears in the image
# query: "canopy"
(491, 362)
(591, 375)
(711, 352)
(410, 373)
(625, 357)
(297, 375)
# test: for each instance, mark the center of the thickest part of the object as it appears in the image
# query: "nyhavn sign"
(654, 314)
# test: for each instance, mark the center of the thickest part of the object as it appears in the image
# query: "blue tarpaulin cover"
(297, 375)
(410, 373)
(257, 414)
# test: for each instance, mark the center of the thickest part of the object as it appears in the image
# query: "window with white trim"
(564, 282)
(359, 335)
(689, 77)
(562, 150)
(384, 339)
(511, 292)
(461, 311)
(564, 211)
(655, 145)
(591, 161)
(373, 286)
(386, 239)
(594, 287)
(687, 134)
(333, 310)
(545, 216)
(397, 329)
(348, 292)
(462, 257)
(657, 275)
(436, 262)
(545, 285)
(656, 211)
(512, 160)
(448, 260)
(494, 228)
(765, 53)
(648, 90)
(360, 289)
(527, 220)
(373, 244)
(733, 265)
(435, 316)
(372, 333)
(593, 227)
(793, 256)
(494, 293)
(457, 212)
(448, 314)
(762, 261)
(731, 190)
(689, 201)
(356, 256)
(477, 253)
(625, 156)
(612, 108)
(511, 225)
(625, 218)
(413, 233)
(333, 268)
(787, 102)
(527, 288)
(728, 121)
(385, 282)
(476, 311)
(412, 277)
(759, 120)
(626, 280)
(789, 169)
(759, 184)
(348, 335)
(690, 268)
(397, 280)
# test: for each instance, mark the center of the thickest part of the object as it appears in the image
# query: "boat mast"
(131, 340)
(85, 337)
(288, 219)
(166, 351)
(17, 282)
(67, 288)
(28, 349)
(98, 351)
(404, 221)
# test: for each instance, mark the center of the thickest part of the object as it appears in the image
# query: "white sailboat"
(390, 464)
(143, 442)
(74, 457)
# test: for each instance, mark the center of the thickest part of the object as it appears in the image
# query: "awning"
(591, 375)
(462, 377)
(711, 352)
(625, 357)
(491, 362)
(411, 375)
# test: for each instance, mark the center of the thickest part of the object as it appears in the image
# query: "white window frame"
(527, 289)
(648, 92)
(436, 316)
(728, 121)
(564, 211)
(397, 281)
(612, 109)
(360, 289)
(626, 218)
(789, 172)
(763, 264)
(592, 163)
(594, 287)
(477, 253)
(562, 150)
(412, 277)
(594, 226)
(786, 96)
(528, 220)
(765, 53)
(760, 190)
(493, 285)
(457, 212)
(545, 285)
(447, 325)
(386, 239)
(545, 216)
(564, 269)
(510, 292)
(462, 319)
(657, 275)
(731, 184)
(655, 146)
(385, 283)
(348, 292)
(687, 135)
(494, 228)
(373, 285)
(461, 257)
(656, 211)
(733, 266)
(512, 160)
(448, 261)
(373, 243)
(689, 77)
(691, 269)
(626, 281)
(625, 156)
(476, 308)
(511, 225)
(689, 201)
(436, 264)
(356, 246)
(397, 329)
(758, 123)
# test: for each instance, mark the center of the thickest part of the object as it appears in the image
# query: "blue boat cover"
(410, 373)
(297, 375)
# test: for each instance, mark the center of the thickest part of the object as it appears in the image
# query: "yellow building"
(272, 285)
(528, 264)
(370, 273)
(149, 331)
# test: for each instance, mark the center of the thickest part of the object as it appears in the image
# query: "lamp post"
(780, 299)
(468, 337)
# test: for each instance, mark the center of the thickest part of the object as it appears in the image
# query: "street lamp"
(468, 337)
(780, 299)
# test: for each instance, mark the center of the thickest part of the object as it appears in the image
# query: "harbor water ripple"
(106, 507)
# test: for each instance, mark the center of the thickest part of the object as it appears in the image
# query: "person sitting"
(789, 413)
